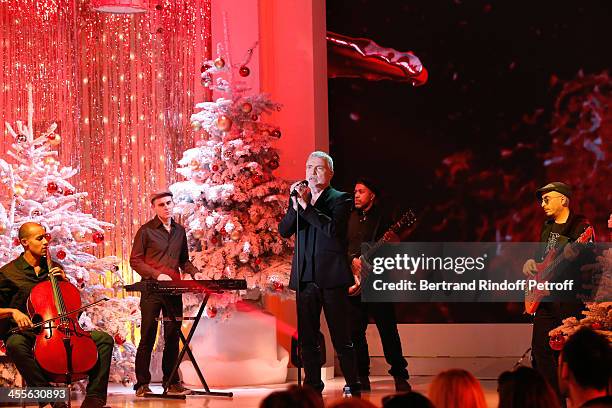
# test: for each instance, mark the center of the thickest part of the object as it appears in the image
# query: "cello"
(63, 349)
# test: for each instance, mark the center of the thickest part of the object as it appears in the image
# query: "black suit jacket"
(329, 219)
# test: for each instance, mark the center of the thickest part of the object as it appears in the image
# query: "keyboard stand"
(187, 350)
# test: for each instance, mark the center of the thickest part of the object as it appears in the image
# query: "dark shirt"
(157, 251)
(367, 227)
(17, 279)
(556, 236)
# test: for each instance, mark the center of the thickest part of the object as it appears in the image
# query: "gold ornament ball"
(255, 218)
(243, 257)
(194, 164)
(50, 160)
(219, 63)
(224, 123)
(79, 236)
(235, 235)
(2, 228)
(19, 189)
(198, 234)
(195, 125)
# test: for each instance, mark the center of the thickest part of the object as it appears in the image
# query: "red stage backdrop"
(121, 88)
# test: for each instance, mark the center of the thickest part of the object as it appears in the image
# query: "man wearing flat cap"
(368, 222)
(160, 252)
(563, 226)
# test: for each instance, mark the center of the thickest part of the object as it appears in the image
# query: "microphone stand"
(298, 350)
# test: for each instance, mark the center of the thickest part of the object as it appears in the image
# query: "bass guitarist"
(367, 223)
(562, 227)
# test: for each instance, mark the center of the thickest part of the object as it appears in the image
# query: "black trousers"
(335, 305)
(386, 323)
(545, 360)
(19, 349)
(150, 306)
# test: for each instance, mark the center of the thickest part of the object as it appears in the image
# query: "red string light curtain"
(121, 88)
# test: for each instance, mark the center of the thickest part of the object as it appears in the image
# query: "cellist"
(17, 278)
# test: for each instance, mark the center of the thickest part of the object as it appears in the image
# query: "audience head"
(456, 388)
(351, 403)
(525, 388)
(407, 400)
(585, 362)
(293, 397)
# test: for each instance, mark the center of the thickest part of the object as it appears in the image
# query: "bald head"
(28, 229)
(34, 240)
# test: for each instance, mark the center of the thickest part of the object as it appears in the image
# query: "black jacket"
(326, 223)
(574, 227)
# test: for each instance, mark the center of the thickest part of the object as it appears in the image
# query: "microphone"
(294, 193)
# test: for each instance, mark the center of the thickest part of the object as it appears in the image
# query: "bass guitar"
(405, 221)
(548, 267)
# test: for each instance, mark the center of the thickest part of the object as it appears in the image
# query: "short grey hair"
(327, 157)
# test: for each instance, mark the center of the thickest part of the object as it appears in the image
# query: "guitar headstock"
(587, 236)
(405, 221)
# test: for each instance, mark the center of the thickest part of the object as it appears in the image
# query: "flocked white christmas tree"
(231, 202)
(36, 187)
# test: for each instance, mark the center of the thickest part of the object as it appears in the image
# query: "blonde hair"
(456, 388)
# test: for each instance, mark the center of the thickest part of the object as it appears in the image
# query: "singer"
(159, 252)
(17, 279)
(324, 272)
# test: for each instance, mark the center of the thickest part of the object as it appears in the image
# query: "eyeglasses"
(546, 200)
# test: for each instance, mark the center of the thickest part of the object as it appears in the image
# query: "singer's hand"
(58, 273)
(294, 185)
(303, 194)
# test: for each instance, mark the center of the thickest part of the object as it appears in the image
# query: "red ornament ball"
(254, 117)
(246, 107)
(52, 187)
(244, 71)
(21, 138)
(276, 133)
(273, 164)
(219, 63)
(211, 312)
(54, 139)
(257, 179)
(205, 67)
(557, 342)
(119, 340)
(224, 123)
(258, 261)
(215, 167)
(68, 192)
(61, 254)
(214, 240)
(596, 326)
(97, 237)
(16, 241)
(277, 286)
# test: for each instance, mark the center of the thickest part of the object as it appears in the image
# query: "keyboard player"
(160, 253)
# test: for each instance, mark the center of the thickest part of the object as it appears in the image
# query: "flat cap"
(557, 186)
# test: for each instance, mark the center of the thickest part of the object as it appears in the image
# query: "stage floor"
(250, 397)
